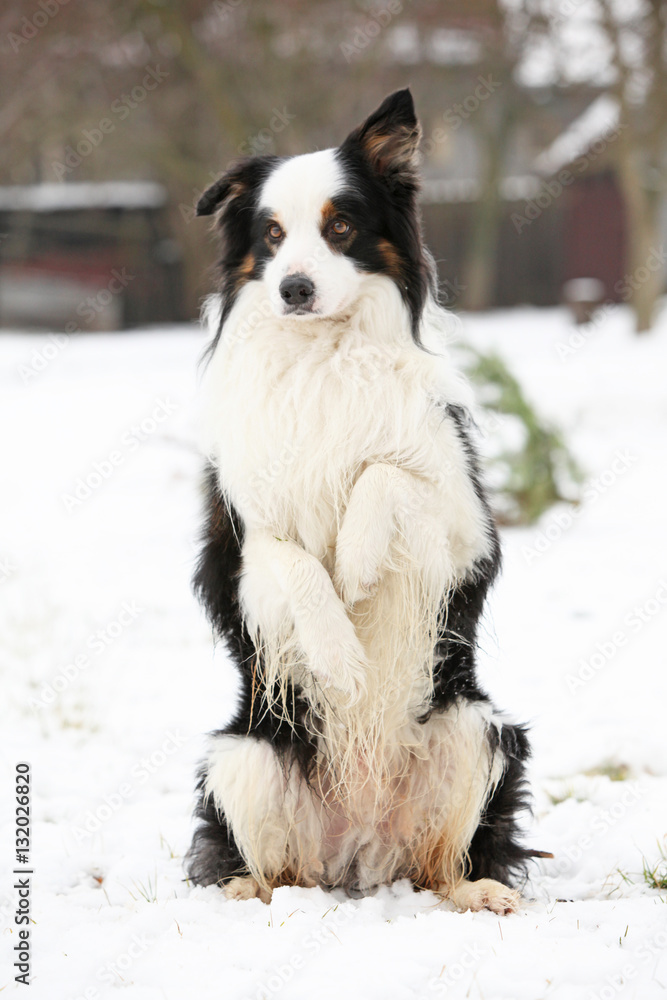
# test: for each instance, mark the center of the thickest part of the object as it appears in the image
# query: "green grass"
(655, 877)
(610, 769)
(147, 891)
(535, 474)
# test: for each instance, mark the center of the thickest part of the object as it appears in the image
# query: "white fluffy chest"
(295, 411)
(295, 420)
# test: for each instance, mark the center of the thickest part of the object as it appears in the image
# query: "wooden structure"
(82, 257)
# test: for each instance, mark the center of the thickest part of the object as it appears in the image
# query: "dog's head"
(313, 227)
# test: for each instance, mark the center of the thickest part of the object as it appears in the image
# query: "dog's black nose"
(297, 290)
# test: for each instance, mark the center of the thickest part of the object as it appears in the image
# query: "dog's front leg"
(282, 585)
(386, 501)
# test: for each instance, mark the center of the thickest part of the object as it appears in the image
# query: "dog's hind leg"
(496, 851)
(260, 828)
(471, 848)
(214, 857)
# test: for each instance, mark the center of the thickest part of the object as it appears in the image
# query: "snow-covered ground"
(110, 679)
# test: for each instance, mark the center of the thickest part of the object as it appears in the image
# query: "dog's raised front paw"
(338, 660)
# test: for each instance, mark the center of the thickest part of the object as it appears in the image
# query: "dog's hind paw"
(486, 893)
(246, 887)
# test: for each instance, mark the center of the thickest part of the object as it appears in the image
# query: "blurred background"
(544, 141)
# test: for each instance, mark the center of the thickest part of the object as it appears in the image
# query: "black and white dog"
(349, 546)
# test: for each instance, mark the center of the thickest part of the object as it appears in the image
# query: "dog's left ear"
(389, 138)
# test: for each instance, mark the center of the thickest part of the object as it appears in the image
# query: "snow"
(69, 197)
(110, 680)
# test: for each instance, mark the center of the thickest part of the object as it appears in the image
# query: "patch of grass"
(534, 472)
(655, 877)
(164, 843)
(610, 769)
(147, 891)
(565, 787)
(566, 792)
(556, 798)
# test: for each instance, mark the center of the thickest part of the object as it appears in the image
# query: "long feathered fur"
(349, 548)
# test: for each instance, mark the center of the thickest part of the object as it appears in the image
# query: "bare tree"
(620, 48)
(639, 47)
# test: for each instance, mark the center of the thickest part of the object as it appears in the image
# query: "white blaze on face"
(295, 194)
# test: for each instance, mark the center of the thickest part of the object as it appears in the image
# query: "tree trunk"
(645, 269)
(480, 266)
(640, 147)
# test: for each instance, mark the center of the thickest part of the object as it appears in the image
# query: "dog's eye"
(274, 232)
(340, 227)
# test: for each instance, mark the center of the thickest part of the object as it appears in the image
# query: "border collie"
(349, 546)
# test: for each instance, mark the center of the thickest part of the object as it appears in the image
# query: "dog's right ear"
(241, 180)
(230, 185)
